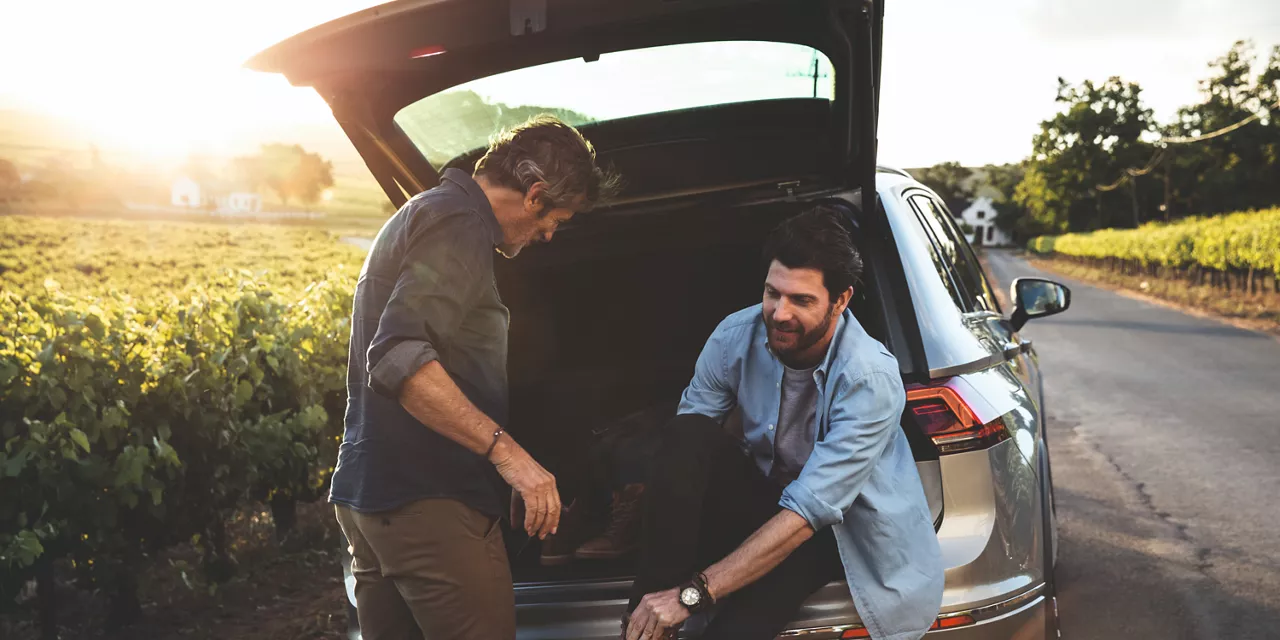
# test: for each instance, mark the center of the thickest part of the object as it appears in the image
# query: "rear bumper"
(1025, 623)
(1021, 617)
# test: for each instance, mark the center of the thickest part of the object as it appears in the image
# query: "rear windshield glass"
(618, 85)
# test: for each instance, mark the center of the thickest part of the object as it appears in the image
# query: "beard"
(792, 338)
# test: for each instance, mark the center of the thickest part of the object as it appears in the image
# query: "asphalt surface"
(1164, 435)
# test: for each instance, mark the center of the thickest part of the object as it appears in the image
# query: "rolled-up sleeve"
(863, 418)
(442, 274)
(710, 392)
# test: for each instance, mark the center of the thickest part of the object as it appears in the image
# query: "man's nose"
(782, 312)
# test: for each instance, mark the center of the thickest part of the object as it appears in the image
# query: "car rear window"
(617, 85)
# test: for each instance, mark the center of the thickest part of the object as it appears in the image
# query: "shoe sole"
(555, 561)
(601, 555)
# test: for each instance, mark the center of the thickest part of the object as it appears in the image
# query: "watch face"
(690, 597)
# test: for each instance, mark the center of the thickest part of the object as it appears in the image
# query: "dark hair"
(545, 149)
(817, 239)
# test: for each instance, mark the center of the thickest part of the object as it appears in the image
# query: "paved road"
(1164, 431)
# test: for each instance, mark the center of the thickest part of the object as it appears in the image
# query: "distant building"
(981, 218)
(190, 194)
(187, 193)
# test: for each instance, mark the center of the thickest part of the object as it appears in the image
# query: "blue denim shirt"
(426, 292)
(860, 479)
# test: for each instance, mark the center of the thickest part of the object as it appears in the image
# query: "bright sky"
(964, 80)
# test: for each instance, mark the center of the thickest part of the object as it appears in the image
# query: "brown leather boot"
(557, 548)
(622, 536)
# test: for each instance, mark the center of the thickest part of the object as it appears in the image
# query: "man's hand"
(656, 614)
(536, 486)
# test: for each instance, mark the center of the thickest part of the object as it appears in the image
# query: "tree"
(455, 122)
(952, 182)
(288, 170)
(1101, 131)
(1011, 216)
(1239, 170)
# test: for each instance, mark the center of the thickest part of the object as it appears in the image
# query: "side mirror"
(1037, 298)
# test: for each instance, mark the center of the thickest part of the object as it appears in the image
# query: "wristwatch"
(694, 595)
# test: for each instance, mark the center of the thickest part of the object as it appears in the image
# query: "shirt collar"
(478, 200)
(831, 348)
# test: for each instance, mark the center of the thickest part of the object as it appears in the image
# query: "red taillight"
(942, 415)
(951, 622)
(426, 52)
(946, 622)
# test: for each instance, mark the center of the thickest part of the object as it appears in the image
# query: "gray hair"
(544, 149)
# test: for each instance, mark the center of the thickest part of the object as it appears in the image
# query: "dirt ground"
(290, 590)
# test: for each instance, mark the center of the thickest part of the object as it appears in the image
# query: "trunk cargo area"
(609, 320)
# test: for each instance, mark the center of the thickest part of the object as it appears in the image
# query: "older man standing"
(416, 488)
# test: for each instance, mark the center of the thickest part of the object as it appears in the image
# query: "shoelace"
(618, 524)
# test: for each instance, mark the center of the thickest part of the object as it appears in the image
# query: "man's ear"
(842, 302)
(535, 199)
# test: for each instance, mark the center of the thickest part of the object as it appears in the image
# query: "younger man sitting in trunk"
(823, 488)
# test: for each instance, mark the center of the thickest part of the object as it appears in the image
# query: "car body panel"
(950, 347)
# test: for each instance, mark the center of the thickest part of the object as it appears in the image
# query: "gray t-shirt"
(797, 420)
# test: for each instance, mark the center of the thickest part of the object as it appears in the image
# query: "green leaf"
(156, 494)
(78, 437)
(13, 466)
(244, 391)
(9, 371)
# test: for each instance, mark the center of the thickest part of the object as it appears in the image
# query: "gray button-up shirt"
(426, 292)
(860, 478)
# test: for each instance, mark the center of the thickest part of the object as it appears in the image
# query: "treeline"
(66, 180)
(1104, 161)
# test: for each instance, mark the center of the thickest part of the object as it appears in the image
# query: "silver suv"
(724, 117)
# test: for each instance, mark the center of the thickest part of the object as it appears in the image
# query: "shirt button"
(771, 427)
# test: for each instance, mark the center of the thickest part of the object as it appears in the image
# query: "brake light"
(951, 622)
(942, 415)
(946, 622)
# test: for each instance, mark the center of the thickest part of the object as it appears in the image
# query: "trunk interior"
(609, 320)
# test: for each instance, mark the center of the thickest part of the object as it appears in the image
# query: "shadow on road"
(1133, 588)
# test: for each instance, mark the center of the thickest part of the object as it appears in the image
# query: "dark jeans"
(705, 497)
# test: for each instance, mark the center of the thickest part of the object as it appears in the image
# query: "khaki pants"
(434, 569)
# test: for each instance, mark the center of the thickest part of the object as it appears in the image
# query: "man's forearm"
(758, 554)
(432, 397)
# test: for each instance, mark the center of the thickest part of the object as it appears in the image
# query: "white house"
(186, 192)
(981, 218)
(190, 194)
